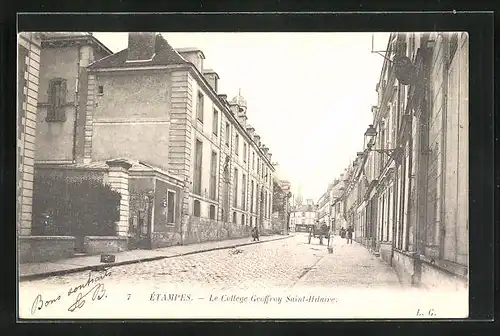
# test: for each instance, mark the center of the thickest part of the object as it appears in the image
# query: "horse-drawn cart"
(320, 233)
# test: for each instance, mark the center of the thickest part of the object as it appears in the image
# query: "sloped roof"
(164, 55)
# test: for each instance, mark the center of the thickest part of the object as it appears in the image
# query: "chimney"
(212, 77)
(234, 109)
(250, 131)
(256, 139)
(194, 56)
(242, 118)
(141, 46)
(223, 97)
(265, 150)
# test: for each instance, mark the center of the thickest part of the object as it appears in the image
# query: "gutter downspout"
(77, 103)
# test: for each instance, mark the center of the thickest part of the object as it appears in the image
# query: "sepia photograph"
(239, 175)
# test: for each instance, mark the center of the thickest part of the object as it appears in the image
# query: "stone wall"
(404, 265)
(105, 244)
(386, 252)
(434, 278)
(45, 248)
(202, 229)
(28, 72)
(165, 239)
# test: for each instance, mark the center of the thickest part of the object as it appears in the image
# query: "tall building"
(406, 193)
(28, 64)
(149, 121)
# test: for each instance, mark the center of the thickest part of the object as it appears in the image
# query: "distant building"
(303, 217)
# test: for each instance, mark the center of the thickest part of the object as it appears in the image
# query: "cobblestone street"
(277, 264)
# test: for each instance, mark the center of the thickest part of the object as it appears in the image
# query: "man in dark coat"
(349, 234)
(255, 233)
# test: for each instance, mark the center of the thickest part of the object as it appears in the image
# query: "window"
(258, 165)
(213, 176)
(237, 144)
(235, 185)
(244, 152)
(170, 207)
(242, 219)
(243, 191)
(197, 167)
(196, 208)
(199, 107)
(234, 217)
(100, 90)
(253, 160)
(228, 133)
(212, 211)
(215, 123)
(270, 206)
(251, 196)
(57, 100)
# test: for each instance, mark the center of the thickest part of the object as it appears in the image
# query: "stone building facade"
(159, 105)
(411, 180)
(27, 101)
(150, 122)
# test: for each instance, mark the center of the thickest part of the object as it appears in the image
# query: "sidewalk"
(31, 271)
(352, 266)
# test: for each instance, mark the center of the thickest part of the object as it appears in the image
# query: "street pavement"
(277, 278)
(283, 264)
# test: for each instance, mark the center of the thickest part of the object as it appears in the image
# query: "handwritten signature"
(98, 290)
(99, 293)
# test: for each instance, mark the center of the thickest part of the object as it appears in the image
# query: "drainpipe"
(77, 103)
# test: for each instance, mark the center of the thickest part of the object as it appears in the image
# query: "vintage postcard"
(242, 175)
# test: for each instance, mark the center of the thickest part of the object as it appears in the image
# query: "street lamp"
(370, 136)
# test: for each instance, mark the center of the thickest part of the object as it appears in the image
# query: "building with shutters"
(149, 121)
(407, 192)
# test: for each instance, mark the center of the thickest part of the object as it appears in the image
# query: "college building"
(148, 121)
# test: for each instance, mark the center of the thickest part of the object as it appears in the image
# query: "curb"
(135, 261)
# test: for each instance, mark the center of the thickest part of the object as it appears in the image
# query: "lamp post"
(370, 136)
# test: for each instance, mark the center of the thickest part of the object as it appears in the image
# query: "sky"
(309, 95)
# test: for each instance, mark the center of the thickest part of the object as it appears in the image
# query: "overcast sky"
(309, 94)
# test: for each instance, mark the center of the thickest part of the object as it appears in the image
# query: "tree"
(278, 198)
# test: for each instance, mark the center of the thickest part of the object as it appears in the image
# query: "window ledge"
(55, 119)
(450, 267)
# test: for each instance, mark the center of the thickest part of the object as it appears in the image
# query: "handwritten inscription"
(90, 280)
(93, 282)
(98, 294)
(39, 303)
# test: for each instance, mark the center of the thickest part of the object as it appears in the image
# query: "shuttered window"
(57, 100)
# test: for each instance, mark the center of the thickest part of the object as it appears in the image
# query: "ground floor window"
(212, 211)
(196, 208)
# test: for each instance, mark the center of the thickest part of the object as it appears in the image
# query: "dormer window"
(57, 100)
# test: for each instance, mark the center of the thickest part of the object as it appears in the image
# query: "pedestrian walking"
(349, 235)
(342, 233)
(255, 234)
